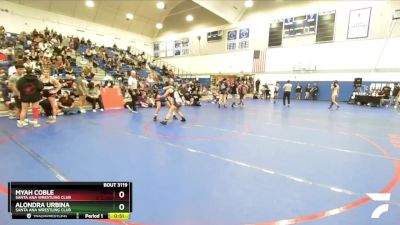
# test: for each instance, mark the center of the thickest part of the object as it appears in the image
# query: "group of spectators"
(65, 87)
(237, 87)
(389, 96)
(311, 92)
(50, 57)
(191, 92)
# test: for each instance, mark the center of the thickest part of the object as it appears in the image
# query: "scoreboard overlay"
(70, 200)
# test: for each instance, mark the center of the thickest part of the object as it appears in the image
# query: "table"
(365, 99)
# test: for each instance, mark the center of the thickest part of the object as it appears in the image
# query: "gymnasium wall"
(343, 58)
(353, 56)
(230, 62)
(22, 18)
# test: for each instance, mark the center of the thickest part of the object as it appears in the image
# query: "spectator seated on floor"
(186, 95)
(46, 109)
(6, 97)
(67, 104)
(394, 99)
(214, 94)
(94, 96)
(195, 100)
(144, 101)
(108, 81)
(385, 95)
(4, 90)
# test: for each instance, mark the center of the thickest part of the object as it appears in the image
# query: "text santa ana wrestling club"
(42, 207)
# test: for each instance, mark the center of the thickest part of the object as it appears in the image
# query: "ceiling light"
(189, 18)
(160, 5)
(90, 3)
(159, 26)
(248, 3)
(129, 16)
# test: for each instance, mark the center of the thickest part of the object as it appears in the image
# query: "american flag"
(259, 61)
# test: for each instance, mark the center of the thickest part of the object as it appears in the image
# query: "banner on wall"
(171, 48)
(156, 49)
(231, 40)
(177, 48)
(244, 38)
(181, 47)
(244, 33)
(159, 49)
(359, 20)
(238, 39)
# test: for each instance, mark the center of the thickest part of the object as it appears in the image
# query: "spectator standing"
(267, 92)
(287, 88)
(307, 91)
(234, 92)
(385, 94)
(51, 87)
(394, 99)
(298, 91)
(242, 90)
(12, 84)
(29, 87)
(276, 91)
(335, 94)
(133, 91)
(81, 91)
(314, 91)
(257, 86)
(223, 92)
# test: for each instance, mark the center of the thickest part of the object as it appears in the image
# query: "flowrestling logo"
(379, 197)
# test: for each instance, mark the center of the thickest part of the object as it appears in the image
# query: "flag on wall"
(259, 61)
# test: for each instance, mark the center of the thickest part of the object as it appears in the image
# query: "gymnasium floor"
(264, 164)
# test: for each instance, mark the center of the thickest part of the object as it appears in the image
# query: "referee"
(133, 91)
(287, 88)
